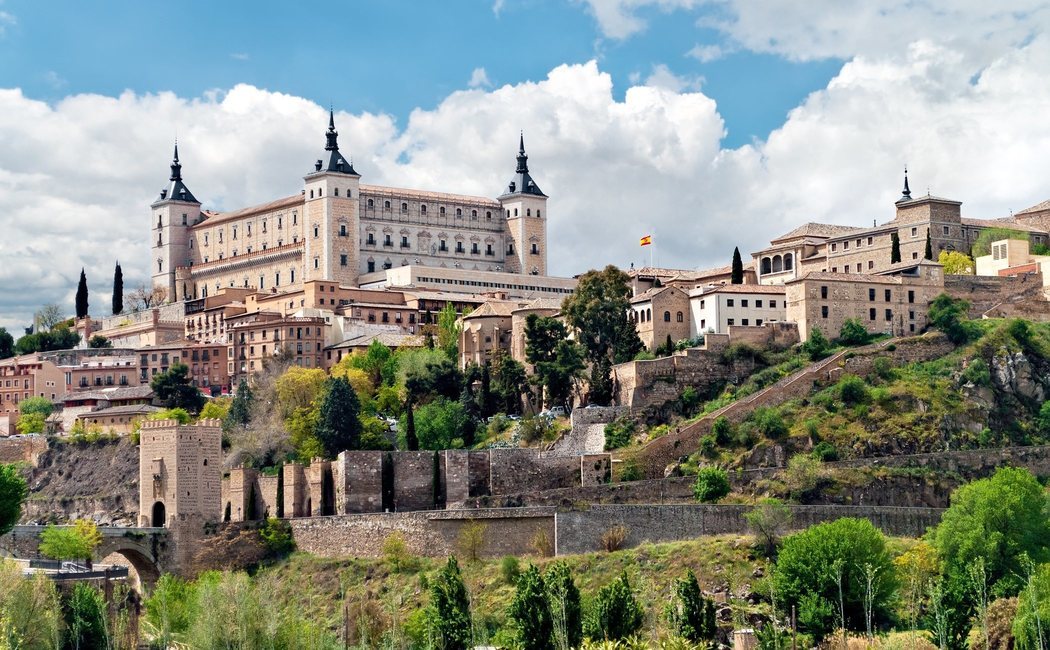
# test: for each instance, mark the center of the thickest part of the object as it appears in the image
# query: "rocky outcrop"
(98, 481)
(1014, 373)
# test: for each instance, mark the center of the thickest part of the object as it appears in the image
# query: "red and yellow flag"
(646, 241)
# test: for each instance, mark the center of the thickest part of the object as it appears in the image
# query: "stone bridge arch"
(146, 550)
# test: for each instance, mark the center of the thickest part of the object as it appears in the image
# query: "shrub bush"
(769, 423)
(883, 367)
(618, 433)
(816, 346)
(722, 430)
(613, 538)
(853, 333)
(852, 390)
(977, 373)
(712, 483)
(509, 569)
(825, 452)
(616, 613)
(276, 535)
(708, 446)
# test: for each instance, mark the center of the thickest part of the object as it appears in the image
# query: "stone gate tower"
(525, 212)
(180, 473)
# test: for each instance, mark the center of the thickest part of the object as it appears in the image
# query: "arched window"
(667, 317)
(423, 209)
(474, 213)
(766, 266)
(404, 207)
(311, 194)
(386, 204)
(648, 315)
(528, 212)
(778, 264)
(337, 191)
(459, 212)
(160, 239)
(788, 261)
(488, 214)
(680, 317)
(371, 203)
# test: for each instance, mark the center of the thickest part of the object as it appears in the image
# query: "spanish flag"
(646, 241)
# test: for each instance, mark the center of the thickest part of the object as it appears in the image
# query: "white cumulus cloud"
(479, 79)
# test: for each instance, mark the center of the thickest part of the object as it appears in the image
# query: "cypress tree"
(530, 612)
(339, 427)
(450, 608)
(895, 248)
(616, 613)
(929, 246)
(738, 267)
(240, 409)
(82, 296)
(411, 441)
(118, 290)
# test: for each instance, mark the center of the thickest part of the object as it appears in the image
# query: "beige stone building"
(180, 472)
(23, 377)
(894, 303)
(859, 250)
(338, 229)
(660, 313)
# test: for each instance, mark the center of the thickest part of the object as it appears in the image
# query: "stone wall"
(587, 432)
(510, 469)
(581, 531)
(1019, 295)
(22, 450)
(429, 534)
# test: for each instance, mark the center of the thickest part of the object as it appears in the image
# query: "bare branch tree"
(146, 297)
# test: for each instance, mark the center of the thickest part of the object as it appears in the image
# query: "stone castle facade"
(338, 229)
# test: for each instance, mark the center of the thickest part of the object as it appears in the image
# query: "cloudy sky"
(707, 124)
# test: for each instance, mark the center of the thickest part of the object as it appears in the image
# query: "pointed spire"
(176, 168)
(906, 195)
(332, 136)
(523, 160)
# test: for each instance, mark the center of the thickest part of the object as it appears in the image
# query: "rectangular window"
(889, 315)
(946, 230)
(342, 260)
(858, 267)
(871, 295)
(911, 296)
(871, 314)
(729, 302)
(729, 321)
(743, 322)
(889, 295)
(869, 241)
(824, 311)
(758, 304)
(914, 232)
(911, 315)
(823, 293)
(743, 303)
(758, 322)
(772, 304)
(871, 264)
(834, 247)
(845, 245)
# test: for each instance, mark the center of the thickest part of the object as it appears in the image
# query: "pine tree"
(929, 246)
(530, 611)
(895, 248)
(738, 267)
(118, 290)
(82, 296)
(450, 608)
(616, 613)
(687, 612)
(563, 599)
(339, 427)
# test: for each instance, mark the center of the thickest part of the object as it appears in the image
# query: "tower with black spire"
(172, 214)
(525, 214)
(331, 193)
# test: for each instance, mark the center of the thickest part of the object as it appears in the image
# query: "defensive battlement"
(207, 423)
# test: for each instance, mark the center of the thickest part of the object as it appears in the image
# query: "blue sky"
(390, 56)
(708, 124)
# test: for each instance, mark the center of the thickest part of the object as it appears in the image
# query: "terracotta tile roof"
(1039, 207)
(394, 192)
(745, 288)
(813, 229)
(125, 409)
(1001, 223)
(110, 394)
(848, 277)
(389, 339)
(211, 218)
(502, 308)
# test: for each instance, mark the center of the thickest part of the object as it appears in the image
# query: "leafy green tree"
(450, 608)
(768, 520)
(180, 415)
(998, 520)
(950, 316)
(557, 360)
(170, 609)
(13, 493)
(98, 341)
(616, 614)
(1031, 625)
(85, 614)
(712, 483)
(737, 274)
(601, 382)
(30, 613)
(339, 425)
(895, 248)
(597, 311)
(438, 425)
(817, 345)
(216, 408)
(174, 390)
(530, 611)
(82, 296)
(76, 542)
(411, 437)
(956, 263)
(928, 254)
(7, 344)
(118, 290)
(853, 333)
(41, 405)
(563, 600)
(240, 408)
(690, 615)
(31, 423)
(823, 570)
(448, 331)
(60, 337)
(510, 383)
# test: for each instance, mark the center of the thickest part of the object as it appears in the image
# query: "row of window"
(887, 293)
(732, 321)
(646, 315)
(745, 302)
